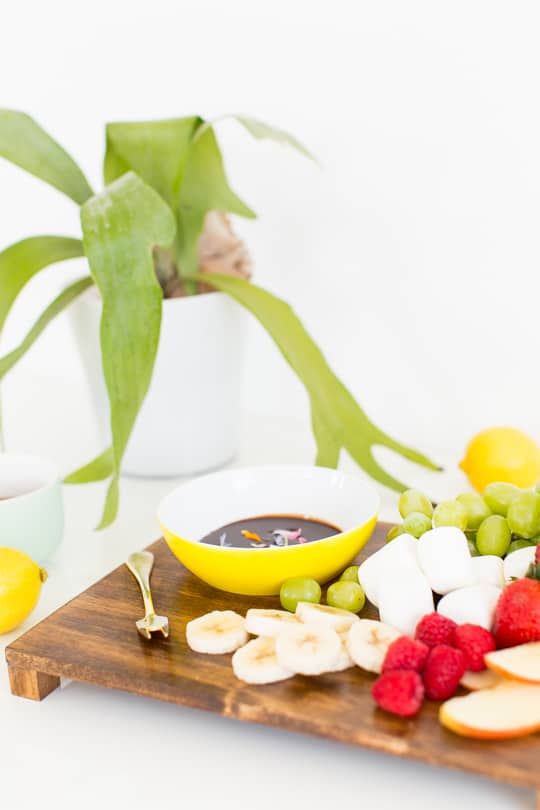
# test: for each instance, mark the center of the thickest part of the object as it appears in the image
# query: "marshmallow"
(445, 559)
(395, 555)
(472, 605)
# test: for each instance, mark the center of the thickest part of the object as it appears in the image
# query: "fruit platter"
(426, 644)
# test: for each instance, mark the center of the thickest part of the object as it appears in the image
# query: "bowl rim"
(50, 477)
(274, 467)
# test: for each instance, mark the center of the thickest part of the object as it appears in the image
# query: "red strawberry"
(435, 629)
(517, 614)
(405, 653)
(474, 642)
(443, 671)
(399, 692)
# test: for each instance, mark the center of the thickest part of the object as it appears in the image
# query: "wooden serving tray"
(93, 639)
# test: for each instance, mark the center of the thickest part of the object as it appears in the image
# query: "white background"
(412, 256)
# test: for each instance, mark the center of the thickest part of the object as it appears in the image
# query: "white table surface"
(86, 747)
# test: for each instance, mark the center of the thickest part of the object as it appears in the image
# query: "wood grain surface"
(93, 639)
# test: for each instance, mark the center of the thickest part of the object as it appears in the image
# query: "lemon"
(20, 587)
(502, 454)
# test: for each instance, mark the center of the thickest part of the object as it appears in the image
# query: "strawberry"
(405, 653)
(474, 642)
(517, 614)
(399, 692)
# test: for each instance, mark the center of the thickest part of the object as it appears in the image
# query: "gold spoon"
(140, 563)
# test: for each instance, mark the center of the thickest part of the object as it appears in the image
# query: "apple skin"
(519, 664)
(450, 723)
(515, 705)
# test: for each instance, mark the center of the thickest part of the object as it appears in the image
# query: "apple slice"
(487, 679)
(521, 663)
(509, 710)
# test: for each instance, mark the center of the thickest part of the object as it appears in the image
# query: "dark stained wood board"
(93, 639)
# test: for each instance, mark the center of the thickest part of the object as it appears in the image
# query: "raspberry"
(399, 692)
(435, 629)
(443, 671)
(474, 642)
(405, 653)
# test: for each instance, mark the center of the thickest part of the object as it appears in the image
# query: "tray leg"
(30, 684)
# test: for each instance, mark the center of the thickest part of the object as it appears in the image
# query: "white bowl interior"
(22, 474)
(197, 507)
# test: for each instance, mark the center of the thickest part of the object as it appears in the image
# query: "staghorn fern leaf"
(120, 227)
(55, 308)
(21, 261)
(25, 143)
(184, 165)
(338, 421)
(261, 131)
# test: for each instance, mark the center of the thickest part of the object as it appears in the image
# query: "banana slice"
(339, 620)
(368, 641)
(344, 660)
(308, 649)
(256, 662)
(221, 631)
(268, 623)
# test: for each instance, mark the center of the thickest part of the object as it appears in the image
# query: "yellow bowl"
(197, 507)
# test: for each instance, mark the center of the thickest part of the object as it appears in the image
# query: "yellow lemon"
(20, 587)
(502, 454)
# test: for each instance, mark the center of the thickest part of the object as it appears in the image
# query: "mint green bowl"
(31, 507)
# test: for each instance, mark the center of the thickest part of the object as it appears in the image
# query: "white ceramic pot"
(189, 421)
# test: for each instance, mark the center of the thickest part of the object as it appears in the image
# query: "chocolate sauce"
(266, 531)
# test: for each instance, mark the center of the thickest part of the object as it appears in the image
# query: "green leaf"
(328, 446)
(181, 159)
(120, 228)
(25, 143)
(98, 469)
(258, 129)
(203, 188)
(21, 261)
(338, 421)
(55, 308)
(155, 150)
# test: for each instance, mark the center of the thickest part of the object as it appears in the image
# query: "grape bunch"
(501, 520)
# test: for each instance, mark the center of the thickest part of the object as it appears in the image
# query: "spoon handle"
(140, 563)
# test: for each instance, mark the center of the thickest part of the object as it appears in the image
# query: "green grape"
(473, 547)
(450, 513)
(346, 595)
(412, 500)
(476, 508)
(394, 532)
(537, 487)
(350, 574)
(299, 589)
(515, 545)
(499, 496)
(493, 536)
(524, 514)
(416, 523)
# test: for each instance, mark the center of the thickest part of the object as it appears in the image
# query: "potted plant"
(150, 240)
